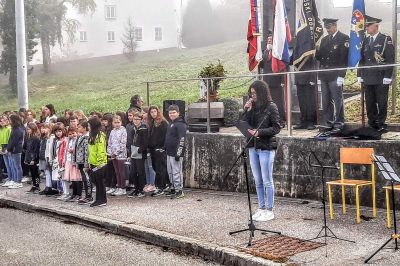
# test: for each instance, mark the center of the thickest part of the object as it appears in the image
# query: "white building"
(157, 26)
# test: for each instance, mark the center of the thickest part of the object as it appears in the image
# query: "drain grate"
(279, 248)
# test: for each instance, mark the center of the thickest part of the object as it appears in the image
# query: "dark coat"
(380, 52)
(32, 150)
(140, 138)
(130, 127)
(175, 138)
(306, 78)
(270, 127)
(333, 53)
(16, 140)
(274, 81)
(157, 135)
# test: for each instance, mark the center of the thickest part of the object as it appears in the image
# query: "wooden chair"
(387, 189)
(354, 156)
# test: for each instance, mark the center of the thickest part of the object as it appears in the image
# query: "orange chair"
(354, 156)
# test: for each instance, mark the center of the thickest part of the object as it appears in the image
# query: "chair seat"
(350, 182)
(396, 187)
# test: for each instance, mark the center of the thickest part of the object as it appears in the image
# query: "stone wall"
(210, 156)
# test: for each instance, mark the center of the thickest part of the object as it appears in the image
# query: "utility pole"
(22, 74)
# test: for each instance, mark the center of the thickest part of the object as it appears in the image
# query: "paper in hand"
(244, 127)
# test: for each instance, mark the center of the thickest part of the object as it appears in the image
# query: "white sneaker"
(111, 191)
(15, 185)
(8, 183)
(123, 191)
(265, 216)
(257, 214)
(25, 179)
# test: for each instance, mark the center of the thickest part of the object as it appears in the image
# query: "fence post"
(148, 93)
(289, 103)
(208, 105)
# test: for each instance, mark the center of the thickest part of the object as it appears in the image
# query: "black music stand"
(324, 230)
(389, 174)
(251, 227)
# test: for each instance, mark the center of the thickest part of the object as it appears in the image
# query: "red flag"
(253, 37)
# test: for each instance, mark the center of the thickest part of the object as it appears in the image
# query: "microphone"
(246, 109)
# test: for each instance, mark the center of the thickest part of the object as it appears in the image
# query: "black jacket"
(16, 140)
(157, 135)
(32, 150)
(140, 139)
(306, 78)
(333, 53)
(130, 127)
(273, 81)
(270, 127)
(380, 52)
(175, 138)
(42, 150)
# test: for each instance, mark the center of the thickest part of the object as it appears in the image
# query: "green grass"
(106, 84)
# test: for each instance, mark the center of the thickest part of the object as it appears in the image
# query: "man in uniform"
(377, 49)
(333, 53)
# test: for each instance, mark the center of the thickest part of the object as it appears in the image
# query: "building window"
(83, 36)
(111, 12)
(111, 36)
(138, 34)
(158, 33)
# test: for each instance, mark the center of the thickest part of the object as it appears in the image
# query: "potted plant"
(211, 71)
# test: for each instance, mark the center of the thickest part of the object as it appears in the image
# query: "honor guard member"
(377, 49)
(332, 53)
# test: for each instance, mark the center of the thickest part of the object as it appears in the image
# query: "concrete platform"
(200, 222)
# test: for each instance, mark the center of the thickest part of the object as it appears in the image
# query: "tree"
(200, 25)
(129, 40)
(52, 21)
(8, 60)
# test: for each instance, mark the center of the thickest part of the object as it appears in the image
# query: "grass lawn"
(106, 84)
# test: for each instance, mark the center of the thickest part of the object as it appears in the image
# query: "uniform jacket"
(333, 53)
(270, 127)
(379, 52)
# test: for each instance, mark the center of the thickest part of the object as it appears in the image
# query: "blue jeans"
(6, 160)
(150, 173)
(15, 167)
(262, 163)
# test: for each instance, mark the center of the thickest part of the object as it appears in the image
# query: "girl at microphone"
(262, 112)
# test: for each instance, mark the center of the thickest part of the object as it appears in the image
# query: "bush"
(231, 111)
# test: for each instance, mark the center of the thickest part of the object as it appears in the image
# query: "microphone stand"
(250, 227)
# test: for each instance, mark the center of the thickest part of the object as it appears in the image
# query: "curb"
(204, 250)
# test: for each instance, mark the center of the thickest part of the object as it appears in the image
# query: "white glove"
(360, 80)
(312, 83)
(387, 81)
(340, 81)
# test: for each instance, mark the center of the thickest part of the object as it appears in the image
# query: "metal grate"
(279, 248)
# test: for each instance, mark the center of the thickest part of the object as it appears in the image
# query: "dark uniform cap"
(329, 21)
(371, 20)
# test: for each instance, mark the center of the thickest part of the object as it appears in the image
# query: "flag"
(357, 33)
(309, 33)
(254, 36)
(281, 38)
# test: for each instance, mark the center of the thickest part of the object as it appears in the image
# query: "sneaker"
(71, 198)
(8, 183)
(157, 192)
(146, 187)
(123, 191)
(98, 204)
(84, 201)
(170, 193)
(25, 179)
(15, 185)
(257, 214)
(140, 195)
(265, 216)
(63, 197)
(151, 188)
(32, 190)
(178, 195)
(131, 194)
(118, 192)
(111, 191)
(5, 180)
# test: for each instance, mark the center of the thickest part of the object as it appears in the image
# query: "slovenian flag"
(254, 36)
(281, 39)
(357, 33)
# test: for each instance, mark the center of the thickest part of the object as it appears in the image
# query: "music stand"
(319, 164)
(251, 227)
(389, 174)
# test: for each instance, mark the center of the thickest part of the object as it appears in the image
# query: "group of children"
(136, 153)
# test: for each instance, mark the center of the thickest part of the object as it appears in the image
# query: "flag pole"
(394, 37)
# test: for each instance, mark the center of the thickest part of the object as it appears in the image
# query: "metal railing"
(289, 75)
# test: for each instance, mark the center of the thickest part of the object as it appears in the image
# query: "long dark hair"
(263, 94)
(51, 108)
(15, 121)
(95, 129)
(155, 121)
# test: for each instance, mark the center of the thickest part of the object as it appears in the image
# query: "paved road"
(30, 239)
